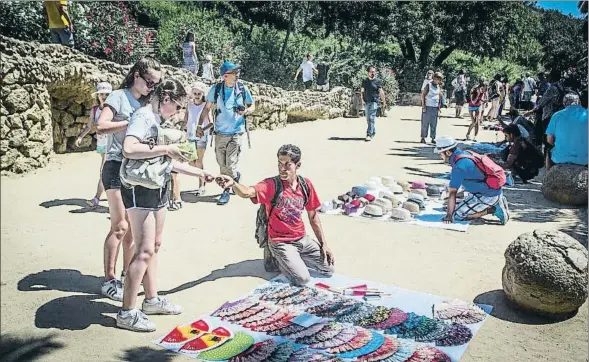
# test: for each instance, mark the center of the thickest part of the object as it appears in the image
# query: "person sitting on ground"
(481, 178)
(567, 132)
(526, 127)
(522, 158)
(285, 197)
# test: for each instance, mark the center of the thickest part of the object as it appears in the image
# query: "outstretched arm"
(246, 192)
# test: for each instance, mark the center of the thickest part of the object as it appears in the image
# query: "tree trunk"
(410, 50)
(425, 49)
(443, 55)
(288, 30)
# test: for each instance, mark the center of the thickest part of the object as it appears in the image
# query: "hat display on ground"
(416, 196)
(377, 180)
(419, 203)
(385, 204)
(371, 184)
(434, 190)
(372, 210)
(387, 180)
(326, 206)
(359, 191)
(418, 185)
(397, 189)
(393, 199)
(372, 191)
(412, 207)
(385, 192)
(400, 214)
(420, 192)
(404, 185)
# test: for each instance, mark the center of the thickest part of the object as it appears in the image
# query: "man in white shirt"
(308, 69)
(529, 86)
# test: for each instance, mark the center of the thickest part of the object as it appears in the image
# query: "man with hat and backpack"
(482, 178)
(232, 102)
(279, 223)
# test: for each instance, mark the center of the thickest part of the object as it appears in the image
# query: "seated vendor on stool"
(523, 159)
(567, 132)
(482, 199)
(294, 251)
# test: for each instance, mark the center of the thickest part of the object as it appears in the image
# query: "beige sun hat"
(416, 196)
(397, 189)
(371, 184)
(377, 180)
(393, 199)
(412, 207)
(385, 204)
(372, 210)
(420, 192)
(388, 180)
(405, 185)
(400, 214)
(385, 192)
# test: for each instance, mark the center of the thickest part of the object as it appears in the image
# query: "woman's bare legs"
(100, 187)
(119, 232)
(200, 152)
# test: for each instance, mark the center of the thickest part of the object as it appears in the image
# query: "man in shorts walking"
(308, 69)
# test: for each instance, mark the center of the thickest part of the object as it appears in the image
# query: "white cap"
(208, 57)
(444, 143)
(103, 87)
(201, 87)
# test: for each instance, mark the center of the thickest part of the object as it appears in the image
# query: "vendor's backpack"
(262, 220)
(494, 174)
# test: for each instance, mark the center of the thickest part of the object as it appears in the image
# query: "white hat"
(373, 211)
(401, 214)
(201, 87)
(208, 57)
(397, 189)
(103, 88)
(394, 200)
(372, 184)
(445, 143)
(377, 180)
(419, 192)
(387, 180)
(385, 204)
(374, 191)
(411, 206)
(385, 192)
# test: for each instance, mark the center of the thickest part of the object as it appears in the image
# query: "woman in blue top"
(119, 106)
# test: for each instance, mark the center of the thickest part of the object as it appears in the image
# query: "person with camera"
(232, 101)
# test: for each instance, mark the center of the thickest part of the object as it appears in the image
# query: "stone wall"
(46, 100)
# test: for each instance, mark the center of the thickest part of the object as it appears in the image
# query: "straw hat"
(387, 180)
(371, 184)
(373, 211)
(373, 191)
(412, 207)
(418, 185)
(434, 191)
(417, 202)
(385, 192)
(385, 204)
(397, 189)
(415, 196)
(420, 192)
(404, 185)
(103, 88)
(401, 214)
(393, 199)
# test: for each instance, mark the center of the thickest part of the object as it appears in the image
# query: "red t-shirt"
(286, 222)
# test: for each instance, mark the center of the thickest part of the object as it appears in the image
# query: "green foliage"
(23, 20)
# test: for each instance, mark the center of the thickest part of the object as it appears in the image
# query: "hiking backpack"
(221, 85)
(263, 215)
(494, 174)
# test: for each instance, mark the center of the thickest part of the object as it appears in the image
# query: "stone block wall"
(46, 101)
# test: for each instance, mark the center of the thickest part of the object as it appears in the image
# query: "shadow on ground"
(17, 349)
(347, 139)
(64, 280)
(81, 203)
(418, 152)
(148, 354)
(246, 268)
(75, 312)
(191, 197)
(506, 310)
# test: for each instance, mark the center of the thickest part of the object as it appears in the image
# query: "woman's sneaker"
(134, 320)
(113, 289)
(502, 210)
(160, 306)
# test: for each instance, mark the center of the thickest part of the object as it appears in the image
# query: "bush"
(24, 20)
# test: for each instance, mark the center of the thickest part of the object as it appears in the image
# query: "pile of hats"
(382, 197)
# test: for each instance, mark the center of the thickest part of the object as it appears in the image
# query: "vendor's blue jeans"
(370, 108)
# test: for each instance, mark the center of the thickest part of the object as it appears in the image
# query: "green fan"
(188, 149)
(238, 344)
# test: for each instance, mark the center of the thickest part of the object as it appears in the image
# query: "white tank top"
(432, 98)
(194, 112)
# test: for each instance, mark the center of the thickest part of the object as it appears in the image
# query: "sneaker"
(201, 190)
(160, 306)
(368, 139)
(134, 320)
(422, 140)
(113, 289)
(224, 198)
(502, 210)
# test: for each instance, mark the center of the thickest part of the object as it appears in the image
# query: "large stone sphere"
(546, 272)
(567, 184)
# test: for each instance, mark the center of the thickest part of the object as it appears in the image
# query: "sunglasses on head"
(179, 105)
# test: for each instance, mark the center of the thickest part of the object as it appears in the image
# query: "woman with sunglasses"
(119, 106)
(147, 208)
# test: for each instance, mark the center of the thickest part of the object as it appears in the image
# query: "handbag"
(155, 172)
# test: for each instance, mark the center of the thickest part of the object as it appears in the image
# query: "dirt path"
(51, 258)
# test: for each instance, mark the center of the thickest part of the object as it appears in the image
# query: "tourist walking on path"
(474, 109)
(567, 132)
(494, 96)
(196, 105)
(372, 96)
(280, 224)
(504, 91)
(103, 90)
(481, 178)
(61, 27)
(460, 83)
(119, 106)
(208, 74)
(529, 88)
(428, 78)
(308, 69)
(232, 101)
(431, 101)
(147, 206)
(189, 53)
